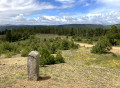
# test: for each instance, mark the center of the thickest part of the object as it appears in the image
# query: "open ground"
(81, 70)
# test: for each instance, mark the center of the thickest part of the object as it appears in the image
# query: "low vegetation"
(102, 46)
(78, 65)
(45, 46)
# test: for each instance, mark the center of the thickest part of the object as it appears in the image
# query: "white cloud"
(6, 5)
(110, 2)
(108, 18)
(15, 12)
(66, 1)
(12, 8)
(20, 18)
(105, 6)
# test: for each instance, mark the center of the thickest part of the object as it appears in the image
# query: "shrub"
(102, 46)
(46, 58)
(90, 42)
(25, 52)
(9, 54)
(25, 46)
(8, 47)
(73, 45)
(59, 58)
(53, 49)
(114, 55)
(64, 45)
(78, 39)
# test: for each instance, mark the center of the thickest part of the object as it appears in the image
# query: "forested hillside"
(82, 26)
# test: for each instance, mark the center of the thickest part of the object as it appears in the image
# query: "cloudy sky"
(54, 12)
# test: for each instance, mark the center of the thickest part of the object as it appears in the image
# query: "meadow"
(82, 69)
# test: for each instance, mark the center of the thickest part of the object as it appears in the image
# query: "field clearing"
(81, 70)
(48, 36)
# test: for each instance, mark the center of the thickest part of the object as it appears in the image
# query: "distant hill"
(10, 27)
(83, 26)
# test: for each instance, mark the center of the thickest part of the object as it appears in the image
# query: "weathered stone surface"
(33, 65)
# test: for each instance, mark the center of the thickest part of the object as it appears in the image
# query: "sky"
(57, 12)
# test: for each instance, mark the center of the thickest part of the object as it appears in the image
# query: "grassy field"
(48, 36)
(80, 70)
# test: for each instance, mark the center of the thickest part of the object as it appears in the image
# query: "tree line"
(24, 33)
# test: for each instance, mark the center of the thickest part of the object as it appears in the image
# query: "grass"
(48, 36)
(80, 70)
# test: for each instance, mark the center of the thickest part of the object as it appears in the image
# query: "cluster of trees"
(16, 35)
(72, 31)
(24, 33)
(105, 43)
(46, 47)
(112, 37)
(3, 32)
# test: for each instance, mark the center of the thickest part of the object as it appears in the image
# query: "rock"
(33, 66)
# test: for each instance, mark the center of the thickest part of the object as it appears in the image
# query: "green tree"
(64, 45)
(113, 35)
(46, 58)
(59, 58)
(8, 36)
(102, 46)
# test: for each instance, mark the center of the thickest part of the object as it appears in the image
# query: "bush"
(64, 45)
(53, 49)
(25, 46)
(102, 46)
(46, 58)
(59, 58)
(9, 54)
(78, 39)
(73, 45)
(114, 55)
(25, 52)
(8, 47)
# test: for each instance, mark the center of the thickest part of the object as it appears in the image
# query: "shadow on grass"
(45, 66)
(42, 78)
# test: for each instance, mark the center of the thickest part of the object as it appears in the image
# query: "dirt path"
(115, 50)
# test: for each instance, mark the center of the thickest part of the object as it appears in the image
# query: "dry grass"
(75, 73)
(48, 36)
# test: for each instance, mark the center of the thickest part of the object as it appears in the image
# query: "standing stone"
(33, 66)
